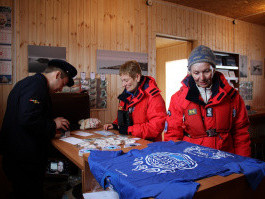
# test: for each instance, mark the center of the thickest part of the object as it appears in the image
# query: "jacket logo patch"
(34, 101)
(209, 112)
(131, 109)
(192, 111)
(120, 108)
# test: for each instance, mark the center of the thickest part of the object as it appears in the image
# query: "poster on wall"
(243, 66)
(109, 62)
(256, 67)
(246, 90)
(39, 56)
(5, 45)
(95, 87)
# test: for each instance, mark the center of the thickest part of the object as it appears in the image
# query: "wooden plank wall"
(82, 26)
(217, 32)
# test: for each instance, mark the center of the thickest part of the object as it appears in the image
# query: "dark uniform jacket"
(28, 125)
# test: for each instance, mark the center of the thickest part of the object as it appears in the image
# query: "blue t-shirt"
(168, 169)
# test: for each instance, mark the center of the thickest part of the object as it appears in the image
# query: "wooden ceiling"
(252, 11)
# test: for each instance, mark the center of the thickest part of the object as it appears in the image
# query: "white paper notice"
(5, 52)
(72, 140)
(81, 133)
(92, 75)
(5, 67)
(102, 195)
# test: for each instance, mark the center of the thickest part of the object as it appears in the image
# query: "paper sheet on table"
(102, 195)
(105, 133)
(72, 140)
(81, 133)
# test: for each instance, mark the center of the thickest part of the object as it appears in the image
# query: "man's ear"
(138, 77)
(58, 74)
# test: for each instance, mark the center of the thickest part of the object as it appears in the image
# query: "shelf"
(227, 63)
(227, 67)
(232, 78)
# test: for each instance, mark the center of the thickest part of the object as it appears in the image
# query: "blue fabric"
(168, 169)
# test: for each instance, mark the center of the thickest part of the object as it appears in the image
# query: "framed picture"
(109, 62)
(243, 66)
(256, 67)
(39, 56)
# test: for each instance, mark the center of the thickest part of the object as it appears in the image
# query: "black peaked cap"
(69, 69)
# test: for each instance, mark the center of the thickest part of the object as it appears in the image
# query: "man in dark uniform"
(28, 127)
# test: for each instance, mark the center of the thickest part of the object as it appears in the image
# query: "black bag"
(124, 118)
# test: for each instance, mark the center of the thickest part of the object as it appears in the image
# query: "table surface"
(208, 186)
(71, 151)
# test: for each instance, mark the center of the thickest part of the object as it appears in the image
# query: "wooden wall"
(82, 26)
(217, 32)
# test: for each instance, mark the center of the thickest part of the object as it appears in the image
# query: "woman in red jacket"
(141, 111)
(207, 110)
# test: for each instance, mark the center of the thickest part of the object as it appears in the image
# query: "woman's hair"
(131, 68)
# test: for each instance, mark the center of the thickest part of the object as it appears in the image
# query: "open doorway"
(171, 65)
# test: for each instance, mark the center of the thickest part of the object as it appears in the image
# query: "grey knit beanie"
(201, 54)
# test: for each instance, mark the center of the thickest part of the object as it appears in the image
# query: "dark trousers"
(26, 179)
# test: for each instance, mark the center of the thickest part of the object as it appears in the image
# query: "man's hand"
(62, 123)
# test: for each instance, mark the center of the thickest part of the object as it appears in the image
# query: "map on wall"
(246, 90)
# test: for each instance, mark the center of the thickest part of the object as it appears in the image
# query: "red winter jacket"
(147, 109)
(189, 118)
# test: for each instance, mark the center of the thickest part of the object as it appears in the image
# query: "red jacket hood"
(220, 88)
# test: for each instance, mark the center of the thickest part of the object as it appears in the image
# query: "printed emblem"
(192, 111)
(163, 162)
(207, 152)
(34, 101)
(234, 112)
(209, 112)
(169, 113)
(120, 108)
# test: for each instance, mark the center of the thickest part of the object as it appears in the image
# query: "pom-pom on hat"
(69, 69)
(201, 54)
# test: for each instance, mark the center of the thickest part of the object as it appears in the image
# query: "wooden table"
(233, 186)
(71, 152)
(256, 114)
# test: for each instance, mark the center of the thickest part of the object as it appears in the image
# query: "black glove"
(123, 130)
